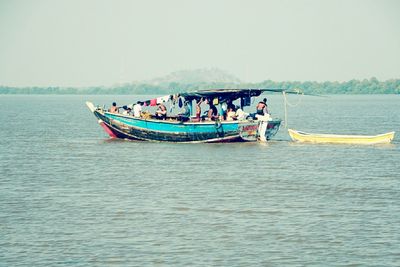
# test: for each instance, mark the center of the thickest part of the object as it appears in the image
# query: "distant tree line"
(371, 86)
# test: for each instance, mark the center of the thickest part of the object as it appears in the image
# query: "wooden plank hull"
(341, 139)
(153, 130)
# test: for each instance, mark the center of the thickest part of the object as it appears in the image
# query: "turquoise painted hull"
(129, 127)
(171, 130)
(169, 126)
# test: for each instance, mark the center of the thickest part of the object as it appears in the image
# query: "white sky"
(94, 42)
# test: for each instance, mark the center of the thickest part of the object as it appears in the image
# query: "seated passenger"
(186, 112)
(185, 115)
(212, 113)
(262, 108)
(198, 110)
(231, 105)
(231, 115)
(127, 111)
(113, 108)
(223, 110)
(240, 114)
(161, 112)
(137, 109)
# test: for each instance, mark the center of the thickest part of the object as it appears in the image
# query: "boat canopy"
(223, 95)
(232, 93)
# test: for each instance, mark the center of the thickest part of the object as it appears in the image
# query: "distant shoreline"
(371, 86)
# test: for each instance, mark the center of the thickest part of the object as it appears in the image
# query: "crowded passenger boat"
(206, 116)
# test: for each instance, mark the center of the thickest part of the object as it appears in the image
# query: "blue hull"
(174, 131)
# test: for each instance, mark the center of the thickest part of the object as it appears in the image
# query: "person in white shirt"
(137, 109)
(231, 114)
(240, 114)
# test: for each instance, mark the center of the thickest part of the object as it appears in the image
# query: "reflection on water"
(70, 196)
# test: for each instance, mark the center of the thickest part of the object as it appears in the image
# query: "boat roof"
(232, 93)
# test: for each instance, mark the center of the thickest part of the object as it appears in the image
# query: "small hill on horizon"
(196, 76)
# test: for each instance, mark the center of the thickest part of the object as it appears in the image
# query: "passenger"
(186, 113)
(137, 109)
(127, 111)
(266, 106)
(113, 108)
(231, 114)
(212, 112)
(223, 111)
(262, 108)
(240, 114)
(161, 112)
(198, 109)
(231, 105)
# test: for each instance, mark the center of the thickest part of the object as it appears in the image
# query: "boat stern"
(248, 131)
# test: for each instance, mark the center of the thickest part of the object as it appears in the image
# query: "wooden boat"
(341, 139)
(174, 129)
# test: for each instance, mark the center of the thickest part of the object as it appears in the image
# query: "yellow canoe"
(341, 139)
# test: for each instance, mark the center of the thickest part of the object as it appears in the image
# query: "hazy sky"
(94, 42)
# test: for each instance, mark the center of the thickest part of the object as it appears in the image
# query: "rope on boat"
(298, 102)
(287, 103)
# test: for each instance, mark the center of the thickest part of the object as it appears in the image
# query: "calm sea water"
(71, 197)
